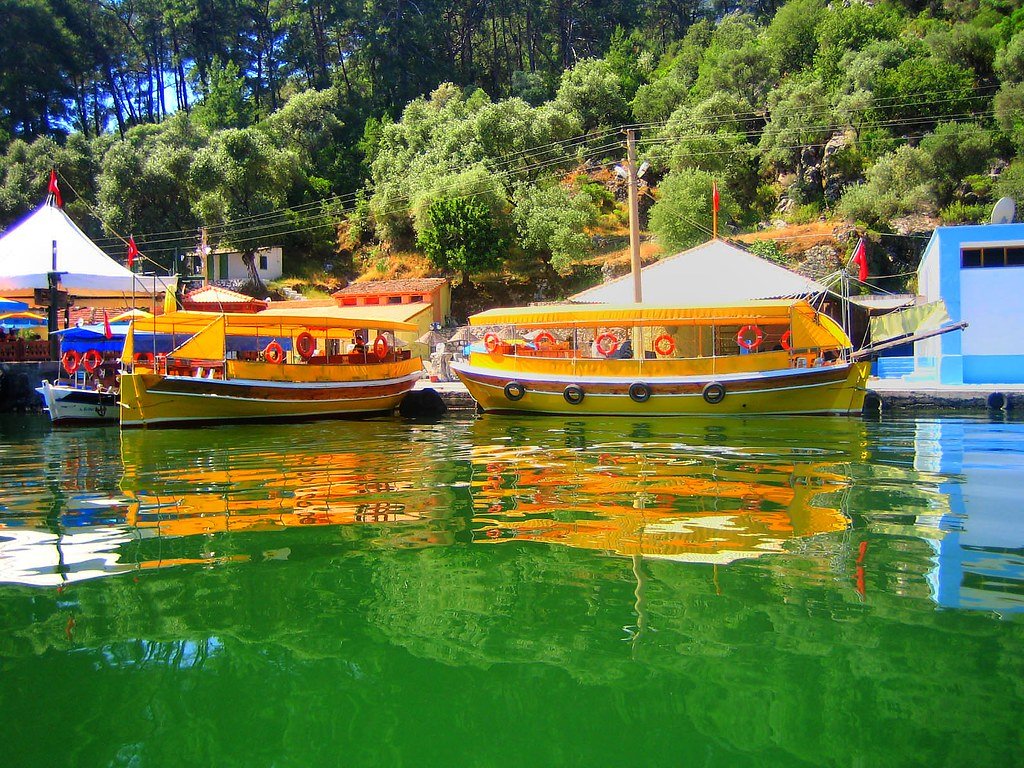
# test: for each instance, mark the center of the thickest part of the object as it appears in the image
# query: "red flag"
(860, 258)
(55, 190)
(106, 326)
(714, 196)
(132, 251)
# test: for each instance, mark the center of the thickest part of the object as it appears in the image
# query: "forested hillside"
(484, 135)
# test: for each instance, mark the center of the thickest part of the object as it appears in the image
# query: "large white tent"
(710, 274)
(27, 253)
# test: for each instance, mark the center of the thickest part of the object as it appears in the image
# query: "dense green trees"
(426, 124)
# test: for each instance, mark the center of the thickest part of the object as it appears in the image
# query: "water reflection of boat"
(677, 495)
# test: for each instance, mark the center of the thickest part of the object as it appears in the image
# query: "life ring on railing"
(381, 346)
(273, 353)
(91, 360)
(750, 344)
(491, 342)
(545, 337)
(144, 358)
(607, 344)
(305, 345)
(664, 345)
(70, 361)
(787, 340)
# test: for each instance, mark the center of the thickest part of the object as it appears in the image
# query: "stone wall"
(18, 382)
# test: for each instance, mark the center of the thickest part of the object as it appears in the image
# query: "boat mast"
(634, 215)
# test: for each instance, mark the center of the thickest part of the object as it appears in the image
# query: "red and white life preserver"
(664, 345)
(787, 340)
(91, 360)
(273, 353)
(70, 360)
(607, 344)
(381, 347)
(748, 343)
(305, 345)
(144, 359)
(543, 337)
(491, 342)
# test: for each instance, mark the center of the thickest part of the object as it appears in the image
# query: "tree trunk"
(249, 259)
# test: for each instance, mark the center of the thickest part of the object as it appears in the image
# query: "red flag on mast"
(54, 189)
(714, 196)
(133, 251)
(860, 258)
(106, 326)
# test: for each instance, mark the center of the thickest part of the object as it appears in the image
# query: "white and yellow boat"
(759, 357)
(202, 367)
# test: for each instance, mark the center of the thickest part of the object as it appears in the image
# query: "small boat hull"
(832, 389)
(68, 404)
(151, 399)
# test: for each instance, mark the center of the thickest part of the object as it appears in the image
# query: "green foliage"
(899, 183)
(790, 37)
(852, 28)
(682, 217)
(1009, 63)
(956, 150)
(1009, 109)
(962, 213)
(593, 93)
(1011, 182)
(552, 221)
(770, 250)
(224, 103)
(461, 235)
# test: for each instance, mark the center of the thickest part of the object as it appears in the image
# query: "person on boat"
(357, 344)
(625, 350)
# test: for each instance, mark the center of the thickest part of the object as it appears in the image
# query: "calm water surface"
(514, 592)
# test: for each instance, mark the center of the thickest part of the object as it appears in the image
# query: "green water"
(510, 592)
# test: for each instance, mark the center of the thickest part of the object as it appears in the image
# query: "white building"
(228, 265)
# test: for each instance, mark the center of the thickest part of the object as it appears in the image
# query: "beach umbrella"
(430, 338)
(21, 319)
(131, 314)
(464, 335)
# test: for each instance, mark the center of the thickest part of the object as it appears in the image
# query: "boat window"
(1015, 257)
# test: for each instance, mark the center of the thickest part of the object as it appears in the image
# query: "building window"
(348, 301)
(263, 262)
(414, 298)
(992, 256)
(394, 299)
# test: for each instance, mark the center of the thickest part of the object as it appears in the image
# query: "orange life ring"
(70, 360)
(91, 360)
(273, 353)
(144, 358)
(381, 346)
(787, 340)
(611, 347)
(544, 336)
(750, 344)
(491, 342)
(305, 345)
(664, 345)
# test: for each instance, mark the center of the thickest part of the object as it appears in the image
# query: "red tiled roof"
(379, 287)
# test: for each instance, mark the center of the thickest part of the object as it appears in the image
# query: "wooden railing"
(21, 351)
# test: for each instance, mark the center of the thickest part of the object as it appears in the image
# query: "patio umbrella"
(430, 338)
(130, 315)
(464, 335)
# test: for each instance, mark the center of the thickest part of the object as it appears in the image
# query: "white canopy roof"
(714, 273)
(26, 256)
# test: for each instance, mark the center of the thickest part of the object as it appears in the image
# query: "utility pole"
(52, 278)
(634, 215)
(204, 249)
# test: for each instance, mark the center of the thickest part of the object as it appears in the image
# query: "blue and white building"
(979, 272)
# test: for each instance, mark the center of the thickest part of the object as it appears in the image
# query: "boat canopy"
(206, 332)
(810, 328)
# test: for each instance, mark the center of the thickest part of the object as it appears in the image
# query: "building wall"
(988, 351)
(236, 267)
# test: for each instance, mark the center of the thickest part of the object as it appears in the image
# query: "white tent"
(714, 273)
(27, 253)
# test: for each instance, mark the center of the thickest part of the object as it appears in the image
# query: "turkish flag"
(106, 326)
(714, 196)
(860, 258)
(132, 251)
(55, 190)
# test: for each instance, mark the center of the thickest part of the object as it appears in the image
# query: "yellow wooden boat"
(202, 367)
(761, 357)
